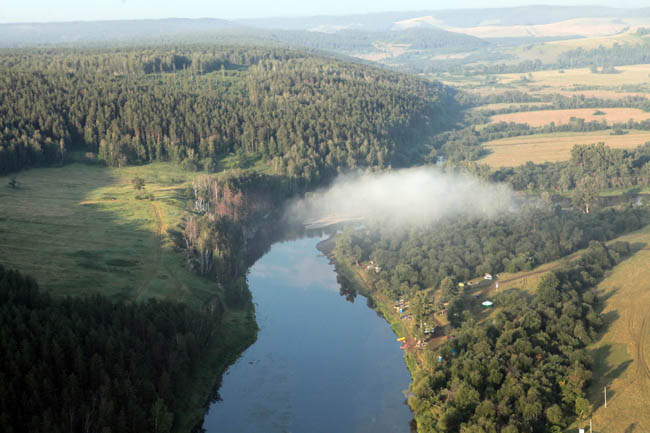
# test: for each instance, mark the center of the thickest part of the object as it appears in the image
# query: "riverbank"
(238, 331)
(380, 303)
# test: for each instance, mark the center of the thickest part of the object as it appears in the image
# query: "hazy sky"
(71, 10)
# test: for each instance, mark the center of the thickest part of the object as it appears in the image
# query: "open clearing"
(622, 354)
(80, 230)
(562, 117)
(515, 151)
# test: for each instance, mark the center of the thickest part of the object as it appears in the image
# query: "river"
(320, 362)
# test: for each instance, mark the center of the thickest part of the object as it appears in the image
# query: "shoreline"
(342, 268)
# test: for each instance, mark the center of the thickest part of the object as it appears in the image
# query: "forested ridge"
(92, 365)
(307, 116)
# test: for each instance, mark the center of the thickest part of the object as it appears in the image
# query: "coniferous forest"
(92, 365)
(307, 116)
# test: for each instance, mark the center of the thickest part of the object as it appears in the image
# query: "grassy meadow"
(538, 148)
(81, 229)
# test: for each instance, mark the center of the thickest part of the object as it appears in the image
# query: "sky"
(91, 10)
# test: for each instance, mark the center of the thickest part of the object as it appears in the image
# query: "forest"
(92, 365)
(89, 364)
(306, 116)
(527, 368)
(441, 255)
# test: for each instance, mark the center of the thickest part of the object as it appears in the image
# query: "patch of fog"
(410, 196)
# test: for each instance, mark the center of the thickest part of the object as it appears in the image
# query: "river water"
(320, 362)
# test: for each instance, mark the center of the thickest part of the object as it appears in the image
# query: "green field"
(81, 229)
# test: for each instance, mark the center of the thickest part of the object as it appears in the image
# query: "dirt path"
(155, 257)
(639, 342)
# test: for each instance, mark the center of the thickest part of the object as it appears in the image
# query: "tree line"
(591, 168)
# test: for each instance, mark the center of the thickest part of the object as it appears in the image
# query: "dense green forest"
(526, 369)
(443, 254)
(91, 365)
(307, 116)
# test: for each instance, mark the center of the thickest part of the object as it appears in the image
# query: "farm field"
(561, 117)
(622, 354)
(80, 230)
(514, 151)
(509, 105)
(595, 93)
(628, 75)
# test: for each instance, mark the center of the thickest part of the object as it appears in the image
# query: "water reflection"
(319, 364)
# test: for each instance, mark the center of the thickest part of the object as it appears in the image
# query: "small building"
(487, 304)
(487, 277)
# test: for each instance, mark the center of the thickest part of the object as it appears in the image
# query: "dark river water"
(320, 363)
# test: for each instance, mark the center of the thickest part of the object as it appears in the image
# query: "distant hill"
(526, 15)
(101, 31)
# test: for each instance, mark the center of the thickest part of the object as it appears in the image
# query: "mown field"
(627, 75)
(562, 117)
(514, 151)
(622, 354)
(81, 229)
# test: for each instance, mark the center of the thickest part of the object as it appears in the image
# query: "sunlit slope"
(622, 354)
(82, 229)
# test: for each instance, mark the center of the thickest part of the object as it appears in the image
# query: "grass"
(515, 151)
(622, 353)
(549, 52)
(508, 105)
(81, 230)
(562, 117)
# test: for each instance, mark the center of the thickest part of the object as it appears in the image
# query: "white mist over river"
(408, 196)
